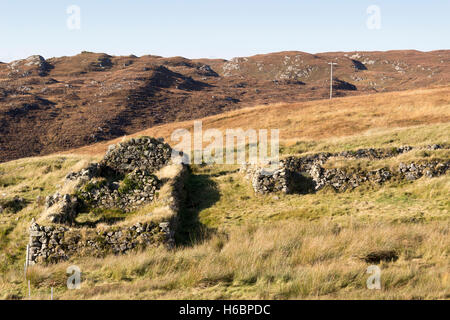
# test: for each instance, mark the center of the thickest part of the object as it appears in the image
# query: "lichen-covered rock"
(137, 153)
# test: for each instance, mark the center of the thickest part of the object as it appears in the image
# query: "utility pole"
(331, 78)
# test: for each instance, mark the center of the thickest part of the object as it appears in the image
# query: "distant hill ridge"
(49, 105)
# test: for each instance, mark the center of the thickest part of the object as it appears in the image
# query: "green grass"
(99, 215)
(238, 203)
(234, 244)
(280, 260)
(386, 138)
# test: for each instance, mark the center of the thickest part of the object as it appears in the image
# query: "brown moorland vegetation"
(322, 119)
(56, 104)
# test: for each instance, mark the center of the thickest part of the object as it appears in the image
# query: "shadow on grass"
(13, 205)
(201, 193)
(97, 216)
(93, 224)
(302, 183)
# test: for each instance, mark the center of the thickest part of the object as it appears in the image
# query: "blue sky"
(217, 28)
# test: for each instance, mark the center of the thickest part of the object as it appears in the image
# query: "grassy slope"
(236, 244)
(313, 121)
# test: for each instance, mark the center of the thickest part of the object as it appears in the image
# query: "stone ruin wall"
(308, 171)
(124, 180)
(58, 242)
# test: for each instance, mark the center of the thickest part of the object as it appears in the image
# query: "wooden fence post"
(27, 258)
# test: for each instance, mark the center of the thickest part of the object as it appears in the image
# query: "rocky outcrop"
(206, 70)
(32, 65)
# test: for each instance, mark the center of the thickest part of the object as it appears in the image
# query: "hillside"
(56, 104)
(305, 124)
(234, 243)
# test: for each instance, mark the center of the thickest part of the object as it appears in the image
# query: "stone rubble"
(414, 171)
(293, 169)
(86, 174)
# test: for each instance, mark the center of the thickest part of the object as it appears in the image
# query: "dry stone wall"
(55, 243)
(264, 180)
(138, 153)
(341, 179)
(305, 163)
(123, 180)
(138, 188)
(51, 244)
(306, 174)
(61, 208)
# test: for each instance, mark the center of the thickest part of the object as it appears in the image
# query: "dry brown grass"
(284, 260)
(322, 119)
